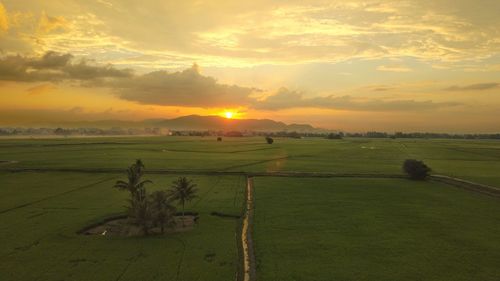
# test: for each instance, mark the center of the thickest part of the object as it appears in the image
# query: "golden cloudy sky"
(410, 65)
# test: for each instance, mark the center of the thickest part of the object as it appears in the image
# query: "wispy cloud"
(48, 24)
(394, 68)
(474, 87)
(41, 89)
(4, 19)
(241, 34)
(285, 98)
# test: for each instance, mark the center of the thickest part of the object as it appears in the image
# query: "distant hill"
(190, 122)
(216, 123)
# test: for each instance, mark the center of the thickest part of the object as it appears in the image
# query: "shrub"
(416, 169)
(334, 136)
(269, 140)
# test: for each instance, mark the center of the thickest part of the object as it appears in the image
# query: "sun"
(228, 114)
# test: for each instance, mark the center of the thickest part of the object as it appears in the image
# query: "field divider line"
(208, 172)
(469, 185)
(486, 189)
(56, 195)
(256, 163)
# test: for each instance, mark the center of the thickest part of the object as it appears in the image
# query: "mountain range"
(199, 123)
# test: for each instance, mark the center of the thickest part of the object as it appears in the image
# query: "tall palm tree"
(140, 212)
(134, 185)
(163, 212)
(182, 191)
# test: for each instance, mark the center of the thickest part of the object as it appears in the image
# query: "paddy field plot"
(476, 160)
(373, 229)
(41, 213)
(304, 228)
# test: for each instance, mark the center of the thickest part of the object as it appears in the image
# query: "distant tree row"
(202, 133)
(79, 131)
(418, 135)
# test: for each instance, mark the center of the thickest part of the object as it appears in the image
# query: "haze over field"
(347, 65)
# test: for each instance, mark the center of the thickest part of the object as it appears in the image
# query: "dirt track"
(246, 236)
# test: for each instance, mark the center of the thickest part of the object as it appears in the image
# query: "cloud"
(394, 68)
(285, 99)
(474, 87)
(188, 88)
(185, 88)
(41, 89)
(240, 34)
(48, 24)
(55, 67)
(4, 20)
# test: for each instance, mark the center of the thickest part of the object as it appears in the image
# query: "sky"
(409, 65)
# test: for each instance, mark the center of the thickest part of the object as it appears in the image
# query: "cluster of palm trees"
(155, 209)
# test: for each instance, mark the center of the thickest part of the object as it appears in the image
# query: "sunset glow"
(348, 65)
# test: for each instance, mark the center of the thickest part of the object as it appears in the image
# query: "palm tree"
(163, 212)
(182, 191)
(134, 184)
(140, 211)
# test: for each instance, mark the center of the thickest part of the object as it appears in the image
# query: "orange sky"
(347, 65)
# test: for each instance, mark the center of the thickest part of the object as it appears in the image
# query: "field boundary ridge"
(469, 185)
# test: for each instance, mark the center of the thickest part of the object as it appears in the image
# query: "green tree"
(182, 191)
(416, 169)
(140, 212)
(134, 184)
(163, 211)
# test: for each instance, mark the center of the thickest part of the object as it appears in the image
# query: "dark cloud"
(285, 98)
(54, 67)
(50, 60)
(474, 87)
(185, 88)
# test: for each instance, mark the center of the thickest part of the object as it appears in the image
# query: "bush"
(269, 140)
(333, 136)
(416, 169)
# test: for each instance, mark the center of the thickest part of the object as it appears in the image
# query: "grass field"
(377, 229)
(42, 243)
(305, 229)
(474, 160)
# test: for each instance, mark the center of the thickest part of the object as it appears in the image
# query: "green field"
(304, 228)
(42, 243)
(376, 229)
(474, 160)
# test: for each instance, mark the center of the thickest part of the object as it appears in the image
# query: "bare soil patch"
(122, 226)
(8, 162)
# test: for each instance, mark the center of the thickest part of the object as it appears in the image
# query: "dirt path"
(246, 235)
